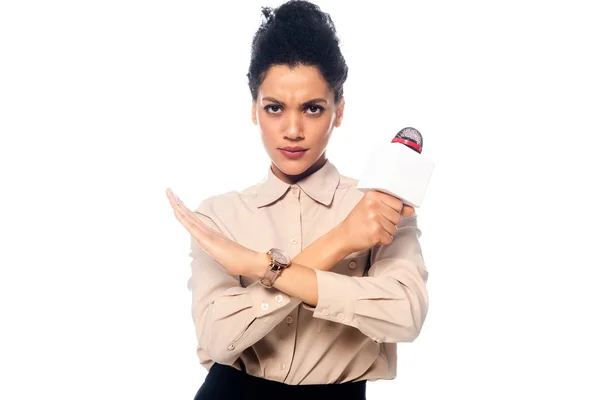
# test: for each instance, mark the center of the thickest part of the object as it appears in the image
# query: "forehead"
(298, 83)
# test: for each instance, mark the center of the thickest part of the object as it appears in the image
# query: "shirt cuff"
(266, 300)
(263, 301)
(336, 297)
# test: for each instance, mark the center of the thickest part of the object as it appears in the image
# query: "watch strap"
(270, 276)
(272, 272)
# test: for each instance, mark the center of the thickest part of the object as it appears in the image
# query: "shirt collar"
(320, 186)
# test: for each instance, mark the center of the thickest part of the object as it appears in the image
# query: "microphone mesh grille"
(411, 134)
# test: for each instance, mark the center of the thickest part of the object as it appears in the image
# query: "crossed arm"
(388, 305)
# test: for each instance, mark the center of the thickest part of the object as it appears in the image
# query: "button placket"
(295, 191)
(287, 346)
(296, 233)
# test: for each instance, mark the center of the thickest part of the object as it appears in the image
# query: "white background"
(103, 105)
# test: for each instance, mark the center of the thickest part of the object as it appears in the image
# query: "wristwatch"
(278, 261)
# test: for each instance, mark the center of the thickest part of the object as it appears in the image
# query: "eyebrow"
(313, 101)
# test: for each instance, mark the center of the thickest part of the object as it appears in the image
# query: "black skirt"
(224, 382)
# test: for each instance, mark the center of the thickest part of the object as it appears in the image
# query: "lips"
(293, 149)
(293, 153)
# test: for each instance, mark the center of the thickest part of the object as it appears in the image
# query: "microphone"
(399, 169)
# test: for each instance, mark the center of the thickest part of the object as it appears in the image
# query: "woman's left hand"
(235, 258)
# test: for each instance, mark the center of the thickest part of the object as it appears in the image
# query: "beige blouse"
(367, 303)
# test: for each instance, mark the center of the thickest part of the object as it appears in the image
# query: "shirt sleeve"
(390, 303)
(228, 317)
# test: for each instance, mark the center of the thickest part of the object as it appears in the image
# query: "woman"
(301, 284)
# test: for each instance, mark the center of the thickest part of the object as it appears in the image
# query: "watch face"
(280, 256)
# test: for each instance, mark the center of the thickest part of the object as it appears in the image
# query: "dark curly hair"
(297, 33)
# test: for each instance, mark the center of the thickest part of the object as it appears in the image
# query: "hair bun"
(297, 32)
(296, 11)
(268, 13)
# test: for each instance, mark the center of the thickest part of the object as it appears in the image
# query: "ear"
(340, 112)
(254, 121)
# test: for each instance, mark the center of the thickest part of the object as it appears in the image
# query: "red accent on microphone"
(408, 143)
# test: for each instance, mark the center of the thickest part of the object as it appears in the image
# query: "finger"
(173, 199)
(391, 201)
(204, 236)
(389, 213)
(407, 211)
(180, 210)
(193, 222)
(386, 237)
(389, 227)
(176, 204)
(185, 216)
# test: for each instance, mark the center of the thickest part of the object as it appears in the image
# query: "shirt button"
(294, 241)
(289, 320)
(352, 265)
(231, 347)
(279, 298)
(282, 366)
(265, 306)
(376, 341)
(340, 316)
(325, 312)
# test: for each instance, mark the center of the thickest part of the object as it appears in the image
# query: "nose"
(293, 128)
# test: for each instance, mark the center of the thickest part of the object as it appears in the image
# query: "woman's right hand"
(372, 221)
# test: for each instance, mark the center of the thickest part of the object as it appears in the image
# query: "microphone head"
(411, 138)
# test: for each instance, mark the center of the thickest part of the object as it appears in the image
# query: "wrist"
(257, 265)
(336, 240)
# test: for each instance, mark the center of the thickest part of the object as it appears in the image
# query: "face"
(295, 109)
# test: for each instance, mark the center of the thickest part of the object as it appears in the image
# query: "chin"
(293, 167)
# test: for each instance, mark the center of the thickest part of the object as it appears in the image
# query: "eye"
(314, 110)
(273, 108)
